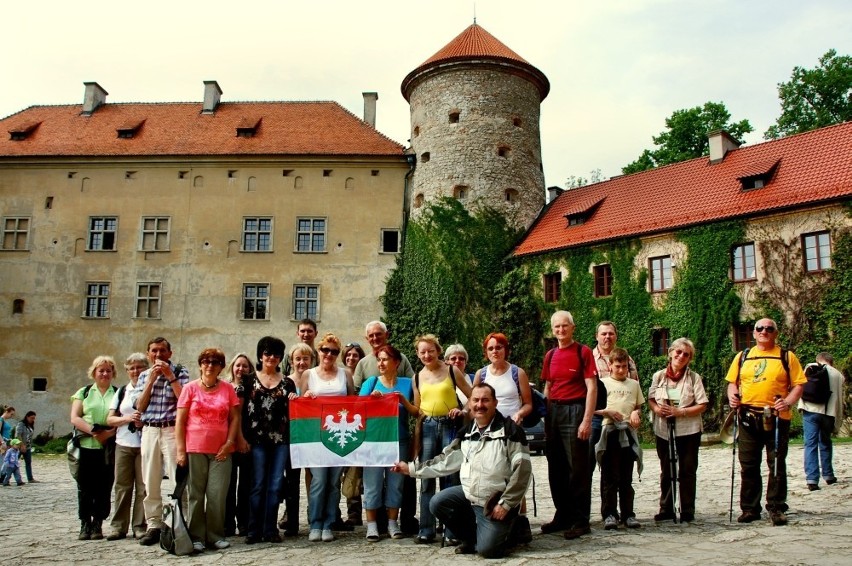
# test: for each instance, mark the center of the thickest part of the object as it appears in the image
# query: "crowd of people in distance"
(225, 426)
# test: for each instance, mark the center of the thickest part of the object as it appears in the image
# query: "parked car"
(535, 437)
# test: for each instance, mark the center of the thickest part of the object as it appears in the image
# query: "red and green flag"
(344, 431)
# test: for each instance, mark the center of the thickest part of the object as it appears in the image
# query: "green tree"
(685, 136)
(815, 98)
(574, 182)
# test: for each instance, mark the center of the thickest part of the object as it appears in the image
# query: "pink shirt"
(207, 421)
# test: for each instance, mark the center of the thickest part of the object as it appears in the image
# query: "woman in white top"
(514, 398)
(324, 380)
(128, 455)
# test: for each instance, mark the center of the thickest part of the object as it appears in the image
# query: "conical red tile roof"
(475, 43)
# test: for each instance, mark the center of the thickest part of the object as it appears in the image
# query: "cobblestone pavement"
(40, 527)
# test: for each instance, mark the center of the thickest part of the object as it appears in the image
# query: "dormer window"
(576, 219)
(129, 129)
(23, 131)
(583, 212)
(759, 175)
(247, 128)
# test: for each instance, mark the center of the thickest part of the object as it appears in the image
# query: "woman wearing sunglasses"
(324, 380)
(208, 416)
(677, 394)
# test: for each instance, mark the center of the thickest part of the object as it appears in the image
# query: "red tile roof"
(284, 128)
(814, 167)
(474, 43)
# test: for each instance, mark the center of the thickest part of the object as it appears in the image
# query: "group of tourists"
(227, 431)
(15, 445)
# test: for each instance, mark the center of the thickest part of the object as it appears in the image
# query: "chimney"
(370, 99)
(94, 96)
(721, 143)
(212, 93)
(553, 192)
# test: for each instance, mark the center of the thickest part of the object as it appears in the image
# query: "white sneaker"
(221, 544)
(373, 532)
(610, 523)
(327, 535)
(315, 535)
(393, 530)
(198, 546)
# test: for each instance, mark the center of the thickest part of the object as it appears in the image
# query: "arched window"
(418, 200)
(18, 306)
(252, 184)
(460, 192)
(350, 183)
(198, 181)
(454, 117)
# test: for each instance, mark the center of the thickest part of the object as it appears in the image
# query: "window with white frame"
(306, 302)
(255, 301)
(155, 233)
(102, 233)
(97, 300)
(148, 300)
(310, 234)
(661, 273)
(257, 234)
(816, 249)
(390, 241)
(16, 233)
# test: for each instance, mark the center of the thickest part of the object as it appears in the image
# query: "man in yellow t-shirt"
(759, 383)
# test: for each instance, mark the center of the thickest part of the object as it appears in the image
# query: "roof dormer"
(23, 130)
(129, 129)
(759, 174)
(247, 127)
(583, 211)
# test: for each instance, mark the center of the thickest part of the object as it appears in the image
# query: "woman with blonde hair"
(239, 489)
(89, 411)
(325, 380)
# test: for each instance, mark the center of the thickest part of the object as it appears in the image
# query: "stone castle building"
(475, 108)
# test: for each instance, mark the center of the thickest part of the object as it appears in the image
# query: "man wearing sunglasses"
(764, 382)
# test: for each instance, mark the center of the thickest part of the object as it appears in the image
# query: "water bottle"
(767, 418)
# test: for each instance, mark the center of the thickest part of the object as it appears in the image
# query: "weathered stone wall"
(497, 113)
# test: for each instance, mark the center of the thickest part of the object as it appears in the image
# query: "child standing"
(10, 462)
(619, 446)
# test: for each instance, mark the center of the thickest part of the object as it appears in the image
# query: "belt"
(443, 419)
(578, 401)
(167, 424)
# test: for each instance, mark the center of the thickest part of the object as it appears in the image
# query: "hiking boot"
(748, 517)
(150, 538)
(115, 535)
(813, 487)
(632, 523)
(465, 548)
(830, 481)
(577, 531)
(610, 523)
(85, 532)
(779, 519)
(664, 516)
(97, 530)
(552, 527)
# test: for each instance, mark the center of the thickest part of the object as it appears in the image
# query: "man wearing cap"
(763, 383)
(155, 397)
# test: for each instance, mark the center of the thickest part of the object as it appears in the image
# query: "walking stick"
(734, 462)
(775, 459)
(673, 468)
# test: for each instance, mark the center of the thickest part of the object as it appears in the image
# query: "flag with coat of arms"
(344, 431)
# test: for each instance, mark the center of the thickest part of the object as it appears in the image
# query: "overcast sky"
(617, 68)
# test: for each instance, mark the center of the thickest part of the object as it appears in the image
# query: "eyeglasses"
(331, 351)
(497, 347)
(682, 353)
(272, 355)
(353, 345)
(457, 359)
(209, 362)
(768, 329)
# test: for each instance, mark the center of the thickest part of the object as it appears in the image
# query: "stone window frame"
(148, 300)
(311, 234)
(306, 301)
(255, 301)
(386, 243)
(96, 304)
(102, 234)
(157, 231)
(257, 234)
(16, 228)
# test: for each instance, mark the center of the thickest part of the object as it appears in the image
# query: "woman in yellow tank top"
(435, 394)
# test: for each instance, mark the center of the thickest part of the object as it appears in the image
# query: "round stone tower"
(475, 108)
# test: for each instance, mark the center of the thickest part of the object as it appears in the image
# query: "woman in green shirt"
(89, 411)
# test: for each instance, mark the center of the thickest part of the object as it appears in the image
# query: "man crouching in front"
(493, 459)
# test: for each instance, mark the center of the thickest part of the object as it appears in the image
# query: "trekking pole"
(673, 468)
(734, 461)
(775, 460)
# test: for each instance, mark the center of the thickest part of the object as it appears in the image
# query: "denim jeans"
(437, 434)
(818, 450)
(268, 463)
(568, 465)
(470, 524)
(379, 481)
(324, 497)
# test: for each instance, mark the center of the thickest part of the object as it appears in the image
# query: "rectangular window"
(742, 263)
(743, 336)
(255, 301)
(155, 233)
(310, 234)
(390, 241)
(16, 233)
(148, 300)
(603, 280)
(102, 232)
(816, 249)
(306, 302)
(257, 234)
(552, 286)
(660, 341)
(661, 273)
(97, 300)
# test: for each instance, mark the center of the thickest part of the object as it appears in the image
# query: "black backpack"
(817, 389)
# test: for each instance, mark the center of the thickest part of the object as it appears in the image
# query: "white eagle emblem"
(342, 431)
